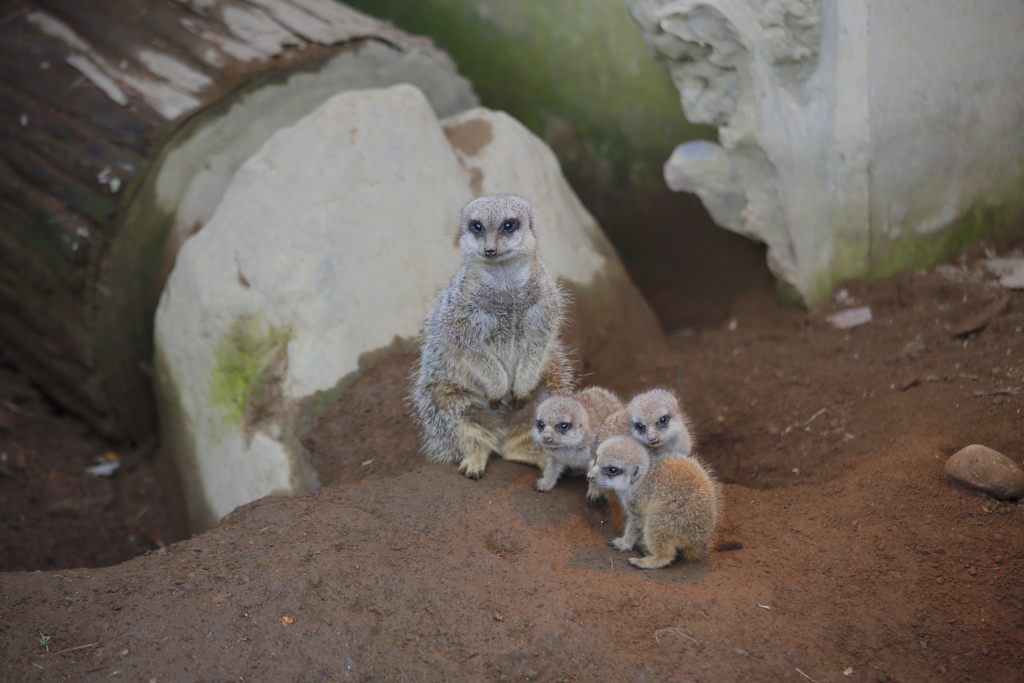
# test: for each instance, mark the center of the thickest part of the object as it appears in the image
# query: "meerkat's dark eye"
(639, 426)
(540, 425)
(663, 421)
(612, 471)
(510, 225)
(564, 426)
(476, 226)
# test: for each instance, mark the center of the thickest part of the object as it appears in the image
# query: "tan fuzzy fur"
(566, 428)
(672, 505)
(642, 418)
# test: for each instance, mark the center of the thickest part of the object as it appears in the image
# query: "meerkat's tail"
(729, 545)
(519, 446)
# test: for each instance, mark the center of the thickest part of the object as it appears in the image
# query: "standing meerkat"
(490, 344)
(566, 428)
(673, 504)
(654, 419)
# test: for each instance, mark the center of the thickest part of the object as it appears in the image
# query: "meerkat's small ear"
(636, 470)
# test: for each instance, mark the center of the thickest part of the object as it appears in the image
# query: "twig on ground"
(672, 628)
(1008, 391)
(806, 676)
(138, 516)
(70, 649)
(812, 418)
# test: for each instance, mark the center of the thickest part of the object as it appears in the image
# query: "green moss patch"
(983, 218)
(248, 361)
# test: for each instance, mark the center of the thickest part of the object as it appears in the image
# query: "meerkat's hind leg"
(519, 446)
(652, 561)
(662, 551)
(478, 444)
(475, 462)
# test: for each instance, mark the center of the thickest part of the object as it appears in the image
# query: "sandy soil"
(860, 562)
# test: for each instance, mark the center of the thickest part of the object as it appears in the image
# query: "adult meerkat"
(566, 428)
(673, 504)
(490, 344)
(654, 419)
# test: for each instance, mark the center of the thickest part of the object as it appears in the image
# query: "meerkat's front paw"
(542, 485)
(621, 544)
(594, 495)
(520, 402)
(495, 404)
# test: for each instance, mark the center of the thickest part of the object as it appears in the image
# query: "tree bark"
(93, 95)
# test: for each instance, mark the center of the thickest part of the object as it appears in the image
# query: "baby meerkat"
(490, 344)
(655, 419)
(566, 428)
(673, 504)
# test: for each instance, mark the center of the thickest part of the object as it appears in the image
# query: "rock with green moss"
(328, 247)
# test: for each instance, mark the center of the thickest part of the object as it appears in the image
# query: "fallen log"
(121, 123)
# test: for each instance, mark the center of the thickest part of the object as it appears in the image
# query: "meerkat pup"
(490, 344)
(566, 428)
(655, 419)
(673, 504)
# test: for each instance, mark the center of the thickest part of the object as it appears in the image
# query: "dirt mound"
(860, 562)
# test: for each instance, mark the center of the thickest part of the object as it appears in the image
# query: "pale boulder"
(855, 137)
(979, 467)
(328, 246)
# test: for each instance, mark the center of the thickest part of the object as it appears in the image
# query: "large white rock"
(191, 177)
(331, 242)
(856, 137)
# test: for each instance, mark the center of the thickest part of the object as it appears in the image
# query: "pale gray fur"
(566, 428)
(490, 344)
(642, 419)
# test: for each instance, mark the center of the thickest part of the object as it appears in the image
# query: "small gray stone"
(980, 467)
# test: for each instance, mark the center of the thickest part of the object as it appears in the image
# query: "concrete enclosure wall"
(856, 137)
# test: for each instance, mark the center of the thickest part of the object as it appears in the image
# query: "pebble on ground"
(979, 467)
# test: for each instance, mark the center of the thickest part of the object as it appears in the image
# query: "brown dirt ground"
(53, 514)
(861, 563)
